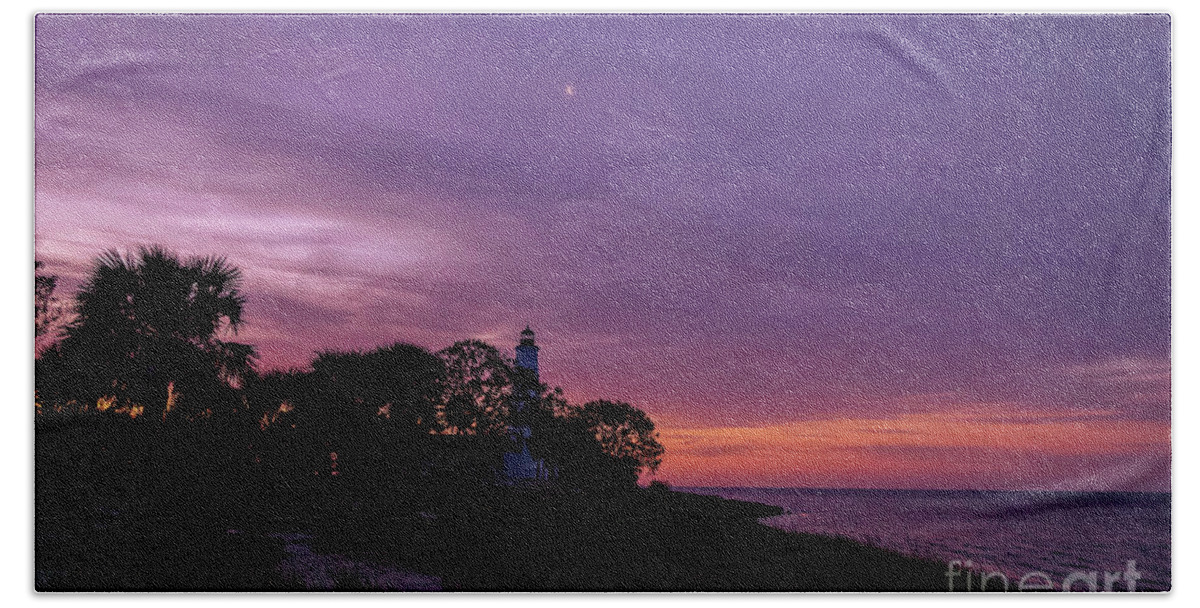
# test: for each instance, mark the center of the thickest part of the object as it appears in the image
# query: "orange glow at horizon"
(944, 450)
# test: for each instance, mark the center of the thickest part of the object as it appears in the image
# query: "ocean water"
(1014, 533)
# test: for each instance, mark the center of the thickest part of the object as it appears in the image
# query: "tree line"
(149, 341)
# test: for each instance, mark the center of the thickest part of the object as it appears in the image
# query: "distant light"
(570, 90)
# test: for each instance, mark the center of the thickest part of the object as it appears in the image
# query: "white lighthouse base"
(521, 465)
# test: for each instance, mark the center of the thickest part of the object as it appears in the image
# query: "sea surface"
(1014, 533)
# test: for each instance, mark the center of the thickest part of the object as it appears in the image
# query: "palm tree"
(150, 328)
(48, 310)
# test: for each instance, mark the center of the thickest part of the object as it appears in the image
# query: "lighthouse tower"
(519, 464)
(527, 353)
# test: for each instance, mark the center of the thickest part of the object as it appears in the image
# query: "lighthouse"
(519, 464)
(527, 353)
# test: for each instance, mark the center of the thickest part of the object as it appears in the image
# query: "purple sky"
(733, 222)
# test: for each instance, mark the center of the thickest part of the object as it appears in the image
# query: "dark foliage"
(147, 333)
(48, 310)
(478, 389)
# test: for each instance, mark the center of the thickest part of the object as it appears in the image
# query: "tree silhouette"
(48, 311)
(601, 443)
(377, 409)
(148, 331)
(400, 383)
(478, 388)
(625, 434)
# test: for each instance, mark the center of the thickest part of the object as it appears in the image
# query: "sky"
(908, 251)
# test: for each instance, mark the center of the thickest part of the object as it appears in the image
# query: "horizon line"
(828, 489)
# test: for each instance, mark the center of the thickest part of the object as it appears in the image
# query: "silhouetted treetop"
(400, 383)
(149, 329)
(625, 433)
(48, 311)
(154, 293)
(478, 388)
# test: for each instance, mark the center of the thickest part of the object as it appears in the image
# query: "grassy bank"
(649, 540)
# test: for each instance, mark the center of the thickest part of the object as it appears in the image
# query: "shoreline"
(648, 541)
(712, 544)
(979, 556)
